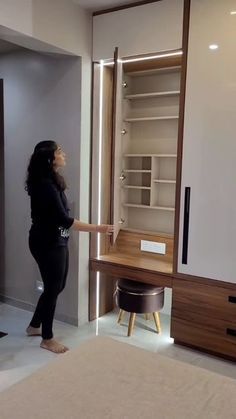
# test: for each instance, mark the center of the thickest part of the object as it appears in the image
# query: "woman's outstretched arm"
(93, 228)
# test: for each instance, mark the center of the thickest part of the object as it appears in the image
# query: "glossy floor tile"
(20, 355)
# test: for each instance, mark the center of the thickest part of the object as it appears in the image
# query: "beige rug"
(104, 378)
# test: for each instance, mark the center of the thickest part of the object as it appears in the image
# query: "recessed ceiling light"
(213, 46)
(233, 12)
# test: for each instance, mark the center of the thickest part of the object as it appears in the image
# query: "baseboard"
(16, 303)
(83, 320)
(30, 307)
(67, 319)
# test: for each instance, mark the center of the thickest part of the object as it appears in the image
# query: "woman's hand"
(105, 229)
(93, 228)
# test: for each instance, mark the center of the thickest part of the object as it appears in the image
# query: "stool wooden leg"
(120, 317)
(147, 316)
(131, 323)
(157, 322)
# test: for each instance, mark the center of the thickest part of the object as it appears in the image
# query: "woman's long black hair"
(41, 166)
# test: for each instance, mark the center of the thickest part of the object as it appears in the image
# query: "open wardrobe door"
(116, 155)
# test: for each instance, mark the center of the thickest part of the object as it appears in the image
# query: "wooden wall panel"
(106, 283)
(130, 242)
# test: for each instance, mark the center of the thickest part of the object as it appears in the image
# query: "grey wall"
(41, 101)
(2, 240)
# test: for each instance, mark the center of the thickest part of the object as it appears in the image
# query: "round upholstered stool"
(136, 297)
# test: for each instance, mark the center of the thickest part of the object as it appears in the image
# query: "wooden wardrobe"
(164, 156)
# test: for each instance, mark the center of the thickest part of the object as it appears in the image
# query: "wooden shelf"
(151, 118)
(165, 70)
(164, 181)
(149, 207)
(151, 155)
(136, 187)
(152, 95)
(151, 233)
(136, 171)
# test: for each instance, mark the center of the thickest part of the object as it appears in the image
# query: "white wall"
(84, 188)
(61, 23)
(209, 142)
(17, 15)
(60, 26)
(167, 302)
(139, 30)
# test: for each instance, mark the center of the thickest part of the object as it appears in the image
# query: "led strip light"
(150, 57)
(99, 186)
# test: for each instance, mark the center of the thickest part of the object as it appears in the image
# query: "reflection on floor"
(21, 355)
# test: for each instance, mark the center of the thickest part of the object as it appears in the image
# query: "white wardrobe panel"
(139, 30)
(209, 154)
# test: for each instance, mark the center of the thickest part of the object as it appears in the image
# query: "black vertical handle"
(231, 332)
(232, 299)
(186, 225)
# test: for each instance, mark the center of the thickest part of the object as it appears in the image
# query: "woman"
(49, 233)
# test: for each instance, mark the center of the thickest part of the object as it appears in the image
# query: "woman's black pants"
(53, 265)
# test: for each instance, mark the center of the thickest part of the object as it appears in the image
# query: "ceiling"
(95, 5)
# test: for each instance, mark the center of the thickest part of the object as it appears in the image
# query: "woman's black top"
(50, 215)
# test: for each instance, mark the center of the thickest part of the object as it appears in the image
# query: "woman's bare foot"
(33, 331)
(53, 346)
